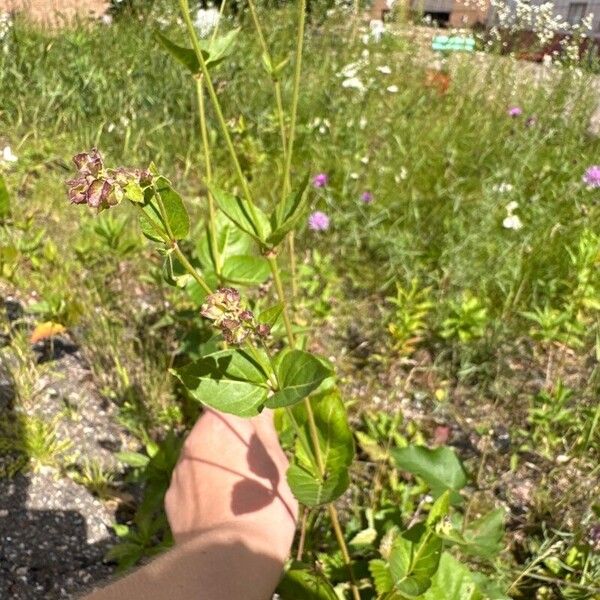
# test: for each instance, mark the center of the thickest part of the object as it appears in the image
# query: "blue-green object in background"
(453, 43)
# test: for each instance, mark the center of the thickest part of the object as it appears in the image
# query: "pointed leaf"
(298, 373)
(483, 536)
(287, 214)
(251, 220)
(440, 468)
(176, 213)
(186, 56)
(219, 48)
(414, 559)
(309, 489)
(301, 583)
(382, 576)
(246, 270)
(229, 380)
(453, 581)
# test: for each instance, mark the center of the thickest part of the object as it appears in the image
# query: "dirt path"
(53, 10)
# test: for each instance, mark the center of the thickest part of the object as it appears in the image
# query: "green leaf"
(134, 192)
(337, 451)
(151, 219)
(452, 581)
(186, 56)
(229, 380)
(302, 584)
(231, 241)
(219, 48)
(4, 199)
(176, 213)
(440, 468)
(133, 459)
(414, 559)
(309, 489)
(298, 373)
(239, 210)
(439, 510)
(364, 538)
(287, 214)
(271, 315)
(246, 270)
(382, 576)
(483, 536)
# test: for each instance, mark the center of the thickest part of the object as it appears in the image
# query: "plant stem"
(212, 228)
(187, 265)
(314, 435)
(281, 295)
(185, 10)
(276, 83)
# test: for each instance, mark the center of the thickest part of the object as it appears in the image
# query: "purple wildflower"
(366, 197)
(592, 176)
(515, 111)
(320, 180)
(531, 122)
(318, 221)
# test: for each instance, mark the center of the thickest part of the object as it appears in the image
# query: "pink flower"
(318, 221)
(515, 111)
(366, 197)
(320, 180)
(592, 176)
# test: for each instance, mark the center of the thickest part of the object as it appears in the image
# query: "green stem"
(281, 295)
(185, 10)
(212, 228)
(276, 83)
(187, 265)
(314, 435)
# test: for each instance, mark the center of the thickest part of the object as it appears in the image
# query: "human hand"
(231, 475)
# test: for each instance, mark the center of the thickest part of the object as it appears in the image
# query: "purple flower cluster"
(318, 221)
(99, 187)
(592, 176)
(515, 111)
(320, 180)
(366, 197)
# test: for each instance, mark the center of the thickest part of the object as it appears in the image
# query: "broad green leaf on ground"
(483, 536)
(440, 468)
(152, 223)
(299, 373)
(230, 381)
(186, 56)
(246, 270)
(414, 559)
(287, 214)
(251, 220)
(453, 581)
(382, 576)
(4, 199)
(336, 446)
(302, 584)
(217, 49)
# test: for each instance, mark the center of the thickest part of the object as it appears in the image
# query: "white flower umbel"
(512, 222)
(392, 89)
(377, 28)
(206, 20)
(8, 155)
(353, 83)
(502, 188)
(384, 69)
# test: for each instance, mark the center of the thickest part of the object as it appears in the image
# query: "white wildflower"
(512, 222)
(392, 89)
(363, 122)
(206, 20)
(353, 83)
(8, 155)
(353, 175)
(511, 207)
(106, 19)
(384, 69)
(364, 160)
(377, 28)
(502, 188)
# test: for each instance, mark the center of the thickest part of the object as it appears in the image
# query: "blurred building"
(55, 10)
